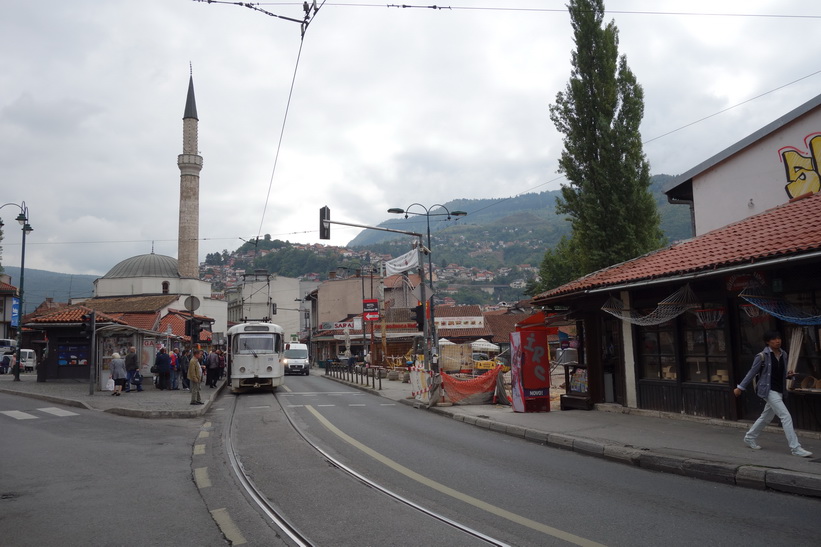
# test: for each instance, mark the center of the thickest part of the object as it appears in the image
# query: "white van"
(295, 359)
(7, 345)
(28, 360)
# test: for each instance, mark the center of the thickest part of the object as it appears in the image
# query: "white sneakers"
(800, 452)
(751, 443)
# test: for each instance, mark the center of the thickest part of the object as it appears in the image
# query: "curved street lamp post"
(429, 212)
(23, 219)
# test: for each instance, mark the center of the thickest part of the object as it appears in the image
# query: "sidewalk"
(149, 403)
(704, 449)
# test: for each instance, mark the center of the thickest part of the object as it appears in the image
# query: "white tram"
(255, 356)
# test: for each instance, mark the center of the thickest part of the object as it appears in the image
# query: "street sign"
(370, 309)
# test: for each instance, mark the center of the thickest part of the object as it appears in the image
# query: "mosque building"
(151, 275)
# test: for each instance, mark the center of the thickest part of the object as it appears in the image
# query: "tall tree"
(612, 212)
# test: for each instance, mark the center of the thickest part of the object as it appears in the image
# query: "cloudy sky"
(389, 107)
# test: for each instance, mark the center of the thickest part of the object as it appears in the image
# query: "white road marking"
(229, 529)
(57, 411)
(201, 477)
(19, 415)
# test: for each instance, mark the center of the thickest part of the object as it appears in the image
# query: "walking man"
(771, 366)
(195, 377)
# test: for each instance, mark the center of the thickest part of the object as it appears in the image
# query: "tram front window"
(254, 343)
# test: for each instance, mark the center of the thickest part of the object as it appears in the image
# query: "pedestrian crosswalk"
(28, 415)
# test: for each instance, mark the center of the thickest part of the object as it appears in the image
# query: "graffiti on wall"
(802, 167)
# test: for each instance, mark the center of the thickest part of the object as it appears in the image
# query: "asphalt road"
(72, 476)
(526, 494)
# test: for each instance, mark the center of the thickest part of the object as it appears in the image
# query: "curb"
(129, 412)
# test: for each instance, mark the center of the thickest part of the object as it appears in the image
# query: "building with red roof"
(677, 329)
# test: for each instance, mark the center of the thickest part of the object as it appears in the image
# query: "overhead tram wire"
(305, 23)
(539, 10)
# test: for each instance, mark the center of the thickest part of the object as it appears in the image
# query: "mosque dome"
(149, 265)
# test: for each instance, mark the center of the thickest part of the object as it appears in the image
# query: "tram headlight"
(242, 369)
(270, 368)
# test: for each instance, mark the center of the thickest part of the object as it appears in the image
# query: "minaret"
(190, 164)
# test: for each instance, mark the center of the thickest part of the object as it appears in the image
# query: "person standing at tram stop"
(132, 364)
(212, 370)
(118, 373)
(195, 377)
(772, 387)
(163, 362)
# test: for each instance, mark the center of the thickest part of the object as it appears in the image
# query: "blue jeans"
(130, 376)
(775, 407)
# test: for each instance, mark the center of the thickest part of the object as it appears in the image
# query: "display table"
(576, 396)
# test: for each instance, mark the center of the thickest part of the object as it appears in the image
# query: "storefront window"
(705, 346)
(657, 348)
(809, 357)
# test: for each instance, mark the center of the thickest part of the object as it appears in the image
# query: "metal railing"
(356, 374)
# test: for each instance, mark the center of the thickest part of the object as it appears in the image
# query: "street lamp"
(23, 219)
(429, 212)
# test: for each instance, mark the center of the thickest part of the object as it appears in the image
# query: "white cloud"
(390, 107)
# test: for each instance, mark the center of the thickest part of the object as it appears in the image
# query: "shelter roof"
(73, 314)
(789, 230)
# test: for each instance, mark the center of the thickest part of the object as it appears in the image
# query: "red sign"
(370, 309)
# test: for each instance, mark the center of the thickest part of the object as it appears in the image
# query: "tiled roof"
(144, 321)
(5, 287)
(502, 325)
(73, 315)
(458, 311)
(131, 304)
(787, 230)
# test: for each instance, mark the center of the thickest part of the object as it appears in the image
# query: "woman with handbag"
(118, 373)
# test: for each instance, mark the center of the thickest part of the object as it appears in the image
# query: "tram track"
(292, 532)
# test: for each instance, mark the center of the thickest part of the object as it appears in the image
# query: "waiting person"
(195, 377)
(186, 358)
(132, 365)
(771, 366)
(5, 364)
(118, 373)
(163, 362)
(212, 371)
(174, 355)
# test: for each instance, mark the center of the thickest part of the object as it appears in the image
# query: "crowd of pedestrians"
(171, 370)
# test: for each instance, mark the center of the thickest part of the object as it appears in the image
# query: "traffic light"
(419, 314)
(88, 325)
(189, 326)
(273, 308)
(324, 225)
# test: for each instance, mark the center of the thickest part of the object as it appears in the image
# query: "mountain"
(529, 219)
